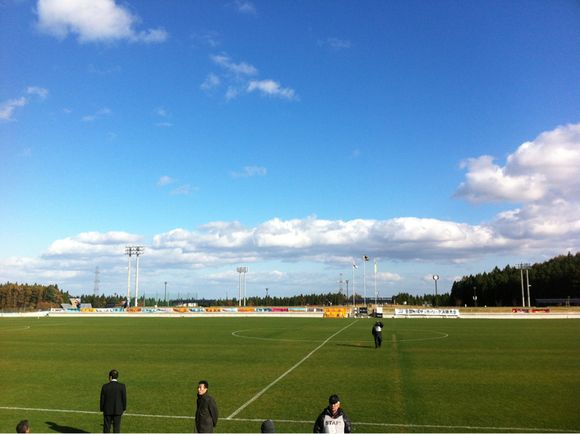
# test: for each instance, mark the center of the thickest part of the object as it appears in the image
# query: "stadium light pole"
(242, 284)
(165, 293)
(376, 293)
(365, 260)
(138, 250)
(435, 278)
(524, 266)
(129, 252)
(528, 285)
(354, 267)
(245, 294)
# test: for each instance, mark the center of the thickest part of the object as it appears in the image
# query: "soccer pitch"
(431, 375)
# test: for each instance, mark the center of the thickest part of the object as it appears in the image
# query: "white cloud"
(488, 182)
(323, 244)
(541, 170)
(93, 21)
(271, 88)
(210, 39)
(97, 115)
(7, 108)
(164, 180)
(162, 112)
(544, 176)
(250, 171)
(211, 82)
(38, 91)
(164, 115)
(245, 7)
(183, 190)
(89, 244)
(180, 190)
(163, 124)
(388, 277)
(237, 80)
(239, 69)
(335, 43)
(231, 93)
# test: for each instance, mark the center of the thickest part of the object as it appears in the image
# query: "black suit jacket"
(113, 398)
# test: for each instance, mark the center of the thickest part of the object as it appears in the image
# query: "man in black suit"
(206, 415)
(113, 402)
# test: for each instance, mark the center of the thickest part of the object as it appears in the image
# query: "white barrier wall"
(439, 313)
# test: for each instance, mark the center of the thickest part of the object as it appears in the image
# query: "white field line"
(377, 424)
(265, 389)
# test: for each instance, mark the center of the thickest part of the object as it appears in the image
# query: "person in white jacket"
(333, 419)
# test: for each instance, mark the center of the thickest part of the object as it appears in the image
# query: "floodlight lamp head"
(435, 277)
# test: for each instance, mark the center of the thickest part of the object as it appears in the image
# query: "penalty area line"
(234, 419)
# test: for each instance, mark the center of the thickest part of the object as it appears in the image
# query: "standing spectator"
(332, 419)
(23, 427)
(377, 332)
(113, 402)
(206, 415)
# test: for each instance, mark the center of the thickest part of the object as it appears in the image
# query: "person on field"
(377, 332)
(206, 415)
(333, 419)
(23, 427)
(267, 426)
(113, 402)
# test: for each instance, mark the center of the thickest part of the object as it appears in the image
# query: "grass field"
(431, 375)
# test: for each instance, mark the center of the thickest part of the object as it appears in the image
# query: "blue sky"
(292, 137)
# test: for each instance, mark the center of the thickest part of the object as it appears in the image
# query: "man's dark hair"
(205, 383)
(22, 426)
(114, 374)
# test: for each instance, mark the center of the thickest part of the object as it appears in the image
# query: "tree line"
(556, 278)
(19, 296)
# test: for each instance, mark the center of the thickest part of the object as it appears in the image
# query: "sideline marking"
(379, 424)
(265, 389)
(15, 329)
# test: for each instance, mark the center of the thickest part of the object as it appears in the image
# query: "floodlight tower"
(138, 251)
(365, 260)
(354, 267)
(435, 278)
(376, 270)
(97, 280)
(522, 267)
(242, 284)
(129, 252)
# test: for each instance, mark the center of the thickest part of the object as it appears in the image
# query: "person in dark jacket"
(206, 415)
(267, 426)
(113, 402)
(332, 419)
(377, 332)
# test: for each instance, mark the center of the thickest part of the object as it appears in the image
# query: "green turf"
(431, 375)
